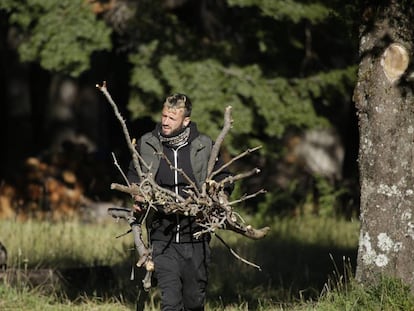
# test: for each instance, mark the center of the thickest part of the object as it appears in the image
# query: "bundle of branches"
(209, 205)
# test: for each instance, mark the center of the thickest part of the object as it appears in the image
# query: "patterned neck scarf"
(177, 140)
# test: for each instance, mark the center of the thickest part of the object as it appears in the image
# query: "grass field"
(299, 260)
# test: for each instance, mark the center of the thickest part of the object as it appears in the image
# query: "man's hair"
(178, 101)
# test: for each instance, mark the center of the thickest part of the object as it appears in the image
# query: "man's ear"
(186, 121)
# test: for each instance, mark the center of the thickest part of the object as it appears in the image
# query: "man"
(181, 261)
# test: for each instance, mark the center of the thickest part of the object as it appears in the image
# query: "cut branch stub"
(395, 61)
(250, 232)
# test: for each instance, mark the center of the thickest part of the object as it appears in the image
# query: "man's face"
(173, 120)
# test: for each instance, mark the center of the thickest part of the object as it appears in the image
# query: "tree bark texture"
(385, 108)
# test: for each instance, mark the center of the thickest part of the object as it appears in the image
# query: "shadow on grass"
(291, 271)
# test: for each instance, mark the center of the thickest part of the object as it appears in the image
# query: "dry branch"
(216, 148)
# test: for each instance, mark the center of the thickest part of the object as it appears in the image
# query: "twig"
(232, 179)
(248, 151)
(120, 170)
(136, 158)
(247, 197)
(216, 148)
(236, 255)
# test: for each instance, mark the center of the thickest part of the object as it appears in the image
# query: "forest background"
(288, 69)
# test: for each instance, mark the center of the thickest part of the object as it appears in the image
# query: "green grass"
(306, 264)
(64, 244)
(23, 299)
(296, 260)
(388, 295)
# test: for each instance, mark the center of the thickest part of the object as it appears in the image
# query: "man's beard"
(173, 133)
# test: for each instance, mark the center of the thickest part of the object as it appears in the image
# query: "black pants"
(182, 274)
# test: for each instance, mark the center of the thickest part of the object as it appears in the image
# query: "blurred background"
(288, 69)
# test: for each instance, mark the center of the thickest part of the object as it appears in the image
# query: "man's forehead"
(174, 110)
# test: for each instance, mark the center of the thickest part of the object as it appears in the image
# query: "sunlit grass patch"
(35, 244)
(296, 260)
(23, 298)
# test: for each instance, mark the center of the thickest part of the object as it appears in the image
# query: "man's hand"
(138, 199)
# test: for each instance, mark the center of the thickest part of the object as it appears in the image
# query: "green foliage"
(328, 196)
(279, 64)
(59, 34)
(214, 73)
(322, 199)
(279, 202)
(257, 67)
(294, 11)
(320, 85)
(262, 107)
(142, 75)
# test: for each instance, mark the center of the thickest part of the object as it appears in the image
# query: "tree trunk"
(385, 108)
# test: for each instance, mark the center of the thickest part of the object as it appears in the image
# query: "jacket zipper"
(175, 151)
